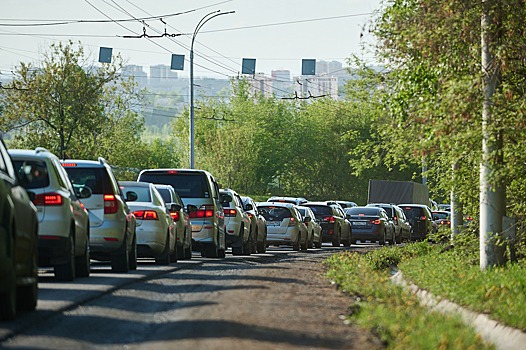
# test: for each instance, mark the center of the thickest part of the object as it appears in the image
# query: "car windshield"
(35, 172)
(188, 185)
(275, 213)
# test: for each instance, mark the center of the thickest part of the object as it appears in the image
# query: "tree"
(72, 108)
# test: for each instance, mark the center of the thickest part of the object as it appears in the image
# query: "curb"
(503, 337)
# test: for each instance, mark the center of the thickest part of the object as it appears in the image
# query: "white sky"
(224, 40)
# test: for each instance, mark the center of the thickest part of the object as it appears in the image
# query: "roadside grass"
(449, 271)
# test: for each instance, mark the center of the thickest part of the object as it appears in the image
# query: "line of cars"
(61, 214)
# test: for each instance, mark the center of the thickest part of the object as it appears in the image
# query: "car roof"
(275, 204)
(327, 203)
(38, 152)
(183, 170)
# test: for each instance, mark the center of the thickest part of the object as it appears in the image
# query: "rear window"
(188, 185)
(143, 193)
(35, 171)
(363, 211)
(439, 216)
(165, 193)
(320, 210)
(275, 213)
(413, 212)
(95, 178)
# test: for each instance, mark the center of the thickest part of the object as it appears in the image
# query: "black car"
(19, 237)
(370, 224)
(396, 214)
(334, 227)
(420, 218)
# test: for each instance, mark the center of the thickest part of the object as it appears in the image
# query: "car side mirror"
(32, 195)
(191, 208)
(131, 196)
(249, 207)
(307, 219)
(175, 207)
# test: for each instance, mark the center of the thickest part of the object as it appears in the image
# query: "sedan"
(371, 224)
(155, 227)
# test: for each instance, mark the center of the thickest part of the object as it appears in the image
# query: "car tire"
(296, 245)
(382, 241)
(399, 240)
(336, 239)
(304, 245)
(120, 260)
(66, 271)
(239, 248)
(164, 258)
(261, 247)
(247, 248)
(82, 263)
(317, 244)
(8, 298)
(28, 294)
(132, 256)
(188, 252)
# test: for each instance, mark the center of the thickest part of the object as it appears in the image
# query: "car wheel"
(66, 271)
(303, 246)
(239, 247)
(382, 240)
(336, 239)
(132, 257)
(399, 240)
(8, 298)
(164, 258)
(296, 245)
(120, 260)
(247, 248)
(28, 294)
(261, 247)
(82, 263)
(188, 252)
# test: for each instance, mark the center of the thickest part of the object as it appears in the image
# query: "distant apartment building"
(137, 73)
(260, 84)
(316, 86)
(161, 75)
(334, 68)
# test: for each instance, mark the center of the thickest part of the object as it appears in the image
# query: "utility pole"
(201, 23)
(492, 190)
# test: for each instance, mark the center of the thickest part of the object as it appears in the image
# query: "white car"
(313, 227)
(63, 221)
(285, 224)
(237, 222)
(183, 229)
(155, 228)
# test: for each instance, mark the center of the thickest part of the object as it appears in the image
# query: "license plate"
(273, 223)
(359, 223)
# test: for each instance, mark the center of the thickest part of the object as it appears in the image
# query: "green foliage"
(74, 110)
(393, 312)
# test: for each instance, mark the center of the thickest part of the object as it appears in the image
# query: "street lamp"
(197, 28)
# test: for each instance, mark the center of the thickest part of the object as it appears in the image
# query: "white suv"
(112, 225)
(63, 229)
(237, 222)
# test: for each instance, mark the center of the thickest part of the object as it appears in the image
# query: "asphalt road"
(277, 300)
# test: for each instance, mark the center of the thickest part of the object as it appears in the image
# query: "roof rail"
(102, 160)
(41, 149)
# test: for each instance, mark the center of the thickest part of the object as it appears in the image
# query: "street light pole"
(201, 23)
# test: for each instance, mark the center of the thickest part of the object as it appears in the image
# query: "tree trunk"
(492, 191)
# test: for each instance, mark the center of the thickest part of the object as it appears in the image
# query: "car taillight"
(423, 217)
(230, 212)
(250, 215)
(175, 216)
(111, 205)
(329, 219)
(292, 222)
(203, 212)
(376, 222)
(146, 215)
(395, 219)
(51, 199)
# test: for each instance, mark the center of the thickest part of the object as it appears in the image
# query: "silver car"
(112, 225)
(285, 224)
(63, 221)
(181, 219)
(155, 228)
(313, 227)
(259, 224)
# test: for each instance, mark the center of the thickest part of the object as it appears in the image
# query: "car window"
(95, 178)
(165, 194)
(321, 210)
(36, 172)
(275, 213)
(413, 212)
(362, 210)
(188, 185)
